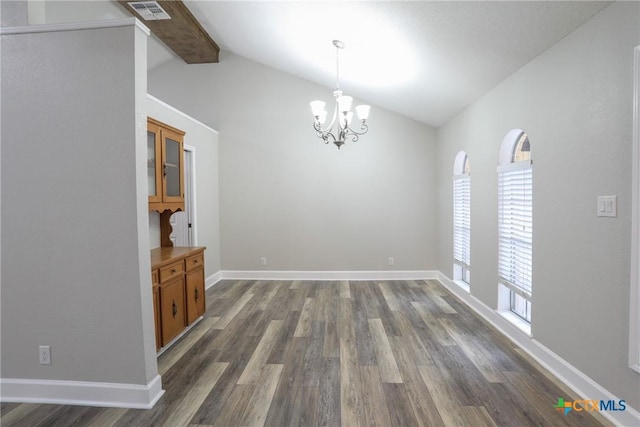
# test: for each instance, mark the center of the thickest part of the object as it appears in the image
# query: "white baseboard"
(81, 393)
(327, 275)
(584, 386)
(212, 280)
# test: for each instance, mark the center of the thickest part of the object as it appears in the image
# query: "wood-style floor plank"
(106, 417)
(345, 290)
(258, 407)
(312, 369)
(215, 404)
(189, 404)
(374, 400)
(304, 324)
(483, 362)
(476, 416)
(389, 371)
(444, 398)
(419, 354)
(322, 301)
(400, 410)
(424, 408)
(307, 406)
(233, 410)
(266, 299)
(331, 342)
(168, 359)
(253, 370)
(364, 341)
(232, 312)
(431, 321)
(282, 344)
(351, 405)
(328, 409)
(11, 416)
(320, 353)
(389, 297)
(290, 384)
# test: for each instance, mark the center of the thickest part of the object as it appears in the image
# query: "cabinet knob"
(174, 308)
(196, 295)
(173, 271)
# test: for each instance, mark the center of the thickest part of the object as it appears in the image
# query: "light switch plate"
(608, 206)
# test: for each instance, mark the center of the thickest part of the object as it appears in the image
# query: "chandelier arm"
(363, 129)
(355, 135)
(328, 137)
(324, 134)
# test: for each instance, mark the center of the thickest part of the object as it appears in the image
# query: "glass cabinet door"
(172, 168)
(165, 166)
(154, 163)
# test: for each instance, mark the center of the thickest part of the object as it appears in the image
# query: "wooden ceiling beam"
(183, 34)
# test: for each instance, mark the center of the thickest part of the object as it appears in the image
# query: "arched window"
(462, 220)
(515, 224)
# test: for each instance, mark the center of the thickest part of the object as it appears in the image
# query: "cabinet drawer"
(194, 261)
(171, 271)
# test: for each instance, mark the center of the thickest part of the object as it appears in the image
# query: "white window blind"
(515, 184)
(462, 220)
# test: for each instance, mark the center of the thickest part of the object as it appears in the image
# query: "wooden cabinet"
(178, 276)
(172, 313)
(165, 166)
(155, 283)
(195, 287)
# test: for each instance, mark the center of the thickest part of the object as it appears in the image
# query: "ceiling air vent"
(149, 10)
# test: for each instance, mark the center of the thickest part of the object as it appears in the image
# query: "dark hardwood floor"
(280, 353)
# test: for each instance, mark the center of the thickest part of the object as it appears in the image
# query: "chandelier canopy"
(342, 114)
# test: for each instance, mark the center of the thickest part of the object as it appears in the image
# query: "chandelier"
(342, 113)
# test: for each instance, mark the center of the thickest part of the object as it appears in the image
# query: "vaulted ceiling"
(423, 59)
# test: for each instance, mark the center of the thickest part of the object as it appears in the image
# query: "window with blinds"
(462, 222)
(515, 221)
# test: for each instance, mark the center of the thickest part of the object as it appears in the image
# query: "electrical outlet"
(392, 261)
(263, 260)
(45, 355)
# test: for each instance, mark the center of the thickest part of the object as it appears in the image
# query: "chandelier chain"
(337, 68)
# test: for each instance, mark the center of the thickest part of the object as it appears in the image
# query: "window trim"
(459, 178)
(461, 269)
(507, 163)
(513, 286)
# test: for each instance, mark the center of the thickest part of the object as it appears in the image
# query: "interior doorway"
(183, 222)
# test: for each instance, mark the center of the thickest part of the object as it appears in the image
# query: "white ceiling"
(423, 59)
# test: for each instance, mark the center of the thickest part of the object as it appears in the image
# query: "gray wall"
(286, 196)
(74, 237)
(575, 102)
(205, 142)
(13, 13)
